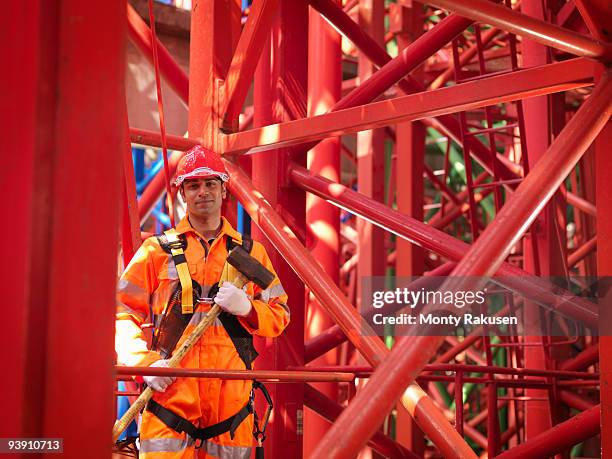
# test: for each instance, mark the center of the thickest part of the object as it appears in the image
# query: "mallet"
(249, 270)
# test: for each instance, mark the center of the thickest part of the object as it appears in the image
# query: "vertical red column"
(64, 132)
(406, 21)
(280, 95)
(371, 249)
(215, 30)
(28, 118)
(371, 156)
(603, 187)
(324, 86)
(543, 254)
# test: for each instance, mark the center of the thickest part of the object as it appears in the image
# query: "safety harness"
(172, 326)
(200, 435)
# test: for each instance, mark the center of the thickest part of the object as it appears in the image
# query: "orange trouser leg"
(158, 441)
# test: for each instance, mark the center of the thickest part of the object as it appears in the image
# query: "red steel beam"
(130, 225)
(556, 440)
(544, 251)
(90, 86)
(526, 26)
(330, 410)
(523, 383)
(323, 342)
(579, 202)
(603, 194)
(584, 359)
(437, 241)
(462, 367)
(429, 418)
(541, 80)
(63, 85)
(260, 375)
(140, 34)
(324, 89)
(245, 59)
(581, 252)
(153, 139)
(29, 131)
(279, 94)
(487, 369)
(370, 157)
(575, 401)
(486, 255)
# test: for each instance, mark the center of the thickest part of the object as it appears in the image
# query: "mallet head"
(249, 267)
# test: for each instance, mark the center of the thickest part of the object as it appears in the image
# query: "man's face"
(203, 196)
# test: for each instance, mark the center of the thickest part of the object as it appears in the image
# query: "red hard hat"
(200, 162)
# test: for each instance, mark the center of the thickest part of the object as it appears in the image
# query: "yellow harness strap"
(178, 255)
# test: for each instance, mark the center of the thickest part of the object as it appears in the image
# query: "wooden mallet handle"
(147, 394)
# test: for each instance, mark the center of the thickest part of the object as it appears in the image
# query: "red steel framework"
(367, 110)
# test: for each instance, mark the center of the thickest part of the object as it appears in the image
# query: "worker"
(196, 417)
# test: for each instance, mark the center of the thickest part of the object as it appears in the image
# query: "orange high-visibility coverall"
(147, 282)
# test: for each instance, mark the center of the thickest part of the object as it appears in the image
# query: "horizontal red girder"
(267, 375)
(153, 139)
(531, 82)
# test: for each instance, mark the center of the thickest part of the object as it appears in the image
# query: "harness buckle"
(206, 300)
(197, 445)
(177, 244)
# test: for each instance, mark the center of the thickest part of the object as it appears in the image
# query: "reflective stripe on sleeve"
(272, 292)
(123, 308)
(129, 288)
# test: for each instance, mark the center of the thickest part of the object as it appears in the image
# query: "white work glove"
(159, 383)
(233, 300)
